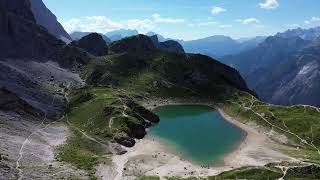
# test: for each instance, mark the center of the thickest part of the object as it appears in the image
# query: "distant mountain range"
(121, 33)
(109, 36)
(218, 46)
(285, 68)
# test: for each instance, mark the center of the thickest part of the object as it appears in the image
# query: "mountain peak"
(47, 19)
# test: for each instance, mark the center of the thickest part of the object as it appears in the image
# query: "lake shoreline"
(256, 149)
(216, 127)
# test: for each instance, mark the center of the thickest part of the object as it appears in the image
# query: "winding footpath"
(28, 140)
(304, 141)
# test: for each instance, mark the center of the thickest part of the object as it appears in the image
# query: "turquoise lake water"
(196, 133)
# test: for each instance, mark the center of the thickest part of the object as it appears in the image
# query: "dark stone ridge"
(134, 124)
(145, 43)
(71, 57)
(93, 43)
(20, 8)
(25, 49)
(169, 46)
(22, 37)
(78, 35)
(11, 102)
(133, 43)
(207, 71)
(143, 112)
(47, 19)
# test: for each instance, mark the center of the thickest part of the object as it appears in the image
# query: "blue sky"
(187, 19)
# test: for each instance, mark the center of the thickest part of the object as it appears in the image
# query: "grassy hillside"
(299, 124)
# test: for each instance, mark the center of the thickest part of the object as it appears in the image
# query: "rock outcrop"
(47, 19)
(93, 43)
(33, 62)
(77, 35)
(133, 43)
(11, 102)
(169, 45)
(145, 43)
(22, 37)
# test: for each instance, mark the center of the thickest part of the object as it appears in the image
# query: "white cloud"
(157, 18)
(208, 23)
(315, 19)
(307, 22)
(98, 24)
(312, 20)
(248, 21)
(217, 10)
(293, 25)
(143, 26)
(225, 26)
(102, 24)
(269, 4)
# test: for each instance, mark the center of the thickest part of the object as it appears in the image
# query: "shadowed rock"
(93, 43)
(47, 19)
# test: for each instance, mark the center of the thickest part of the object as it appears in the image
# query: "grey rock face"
(47, 19)
(11, 102)
(20, 35)
(78, 35)
(25, 50)
(143, 42)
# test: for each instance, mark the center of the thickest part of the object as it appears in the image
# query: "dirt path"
(27, 140)
(302, 140)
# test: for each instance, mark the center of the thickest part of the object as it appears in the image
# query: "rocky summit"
(47, 19)
(93, 43)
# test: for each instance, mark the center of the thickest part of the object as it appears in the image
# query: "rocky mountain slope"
(78, 35)
(47, 19)
(306, 34)
(27, 50)
(283, 69)
(167, 45)
(93, 43)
